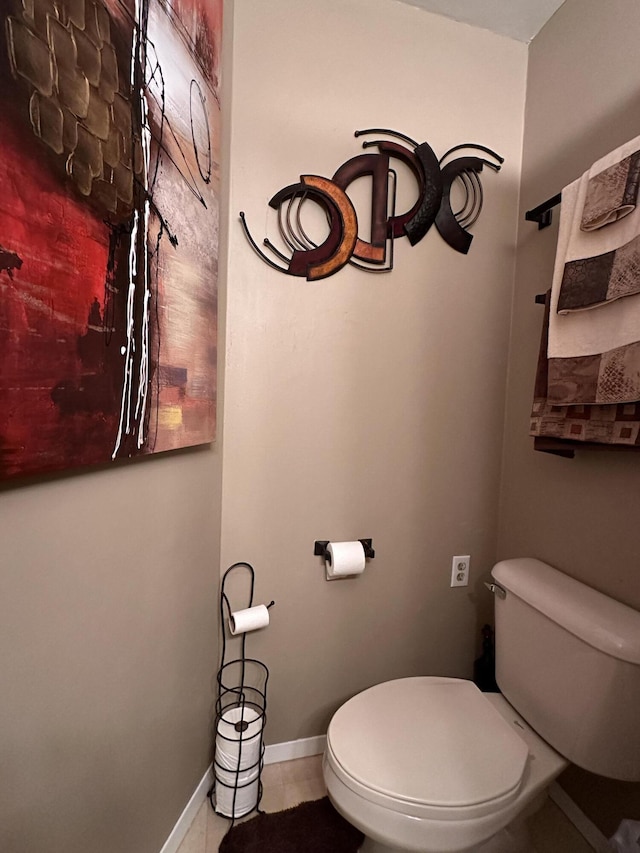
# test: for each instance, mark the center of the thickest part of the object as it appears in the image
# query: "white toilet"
(433, 765)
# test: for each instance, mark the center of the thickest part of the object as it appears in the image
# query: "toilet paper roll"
(344, 559)
(242, 621)
(236, 759)
(238, 739)
(239, 723)
(236, 794)
(231, 779)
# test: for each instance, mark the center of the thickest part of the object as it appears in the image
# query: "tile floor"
(284, 785)
(292, 782)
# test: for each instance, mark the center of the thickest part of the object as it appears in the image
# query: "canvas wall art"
(109, 194)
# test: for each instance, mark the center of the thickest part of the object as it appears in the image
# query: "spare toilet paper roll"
(344, 559)
(249, 620)
(236, 794)
(238, 739)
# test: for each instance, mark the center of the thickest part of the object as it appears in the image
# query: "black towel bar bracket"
(543, 213)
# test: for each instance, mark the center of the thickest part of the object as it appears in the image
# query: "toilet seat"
(429, 747)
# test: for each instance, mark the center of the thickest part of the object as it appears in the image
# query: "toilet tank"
(568, 660)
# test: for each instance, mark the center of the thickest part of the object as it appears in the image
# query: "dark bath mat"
(314, 827)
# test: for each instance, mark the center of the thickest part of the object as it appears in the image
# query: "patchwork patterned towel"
(611, 193)
(608, 377)
(590, 282)
(604, 424)
(597, 265)
(594, 270)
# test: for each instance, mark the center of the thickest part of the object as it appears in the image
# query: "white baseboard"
(294, 749)
(185, 820)
(578, 818)
(272, 755)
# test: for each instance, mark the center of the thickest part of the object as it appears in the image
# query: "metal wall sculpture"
(300, 255)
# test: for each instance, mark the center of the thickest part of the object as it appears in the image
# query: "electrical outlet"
(460, 571)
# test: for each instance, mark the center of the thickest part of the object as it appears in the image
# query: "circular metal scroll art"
(302, 254)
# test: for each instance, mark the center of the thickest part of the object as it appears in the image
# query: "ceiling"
(518, 19)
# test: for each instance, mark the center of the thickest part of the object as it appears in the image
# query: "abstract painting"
(109, 215)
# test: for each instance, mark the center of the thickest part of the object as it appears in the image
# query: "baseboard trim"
(579, 819)
(185, 820)
(291, 749)
(305, 747)
(272, 755)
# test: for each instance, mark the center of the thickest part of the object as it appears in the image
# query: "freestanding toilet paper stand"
(241, 714)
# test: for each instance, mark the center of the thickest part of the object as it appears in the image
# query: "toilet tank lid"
(600, 621)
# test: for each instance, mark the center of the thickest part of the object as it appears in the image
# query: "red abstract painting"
(109, 215)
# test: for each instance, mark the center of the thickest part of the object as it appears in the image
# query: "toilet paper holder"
(320, 548)
(240, 711)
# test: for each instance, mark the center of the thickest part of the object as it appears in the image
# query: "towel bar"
(542, 214)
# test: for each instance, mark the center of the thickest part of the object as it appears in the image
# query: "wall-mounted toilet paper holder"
(320, 548)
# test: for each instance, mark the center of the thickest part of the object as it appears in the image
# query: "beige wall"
(108, 638)
(580, 515)
(365, 405)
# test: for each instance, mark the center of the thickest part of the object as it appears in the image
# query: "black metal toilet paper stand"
(241, 715)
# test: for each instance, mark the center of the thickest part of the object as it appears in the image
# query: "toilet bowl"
(433, 765)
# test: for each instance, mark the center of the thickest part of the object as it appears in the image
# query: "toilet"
(430, 764)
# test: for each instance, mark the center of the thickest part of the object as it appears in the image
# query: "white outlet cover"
(460, 567)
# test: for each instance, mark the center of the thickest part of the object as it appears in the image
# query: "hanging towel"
(611, 193)
(605, 424)
(597, 280)
(594, 356)
(616, 321)
(609, 377)
(598, 265)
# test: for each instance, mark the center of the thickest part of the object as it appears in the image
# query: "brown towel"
(586, 332)
(604, 378)
(612, 193)
(590, 282)
(604, 424)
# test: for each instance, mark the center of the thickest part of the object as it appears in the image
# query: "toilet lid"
(429, 741)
